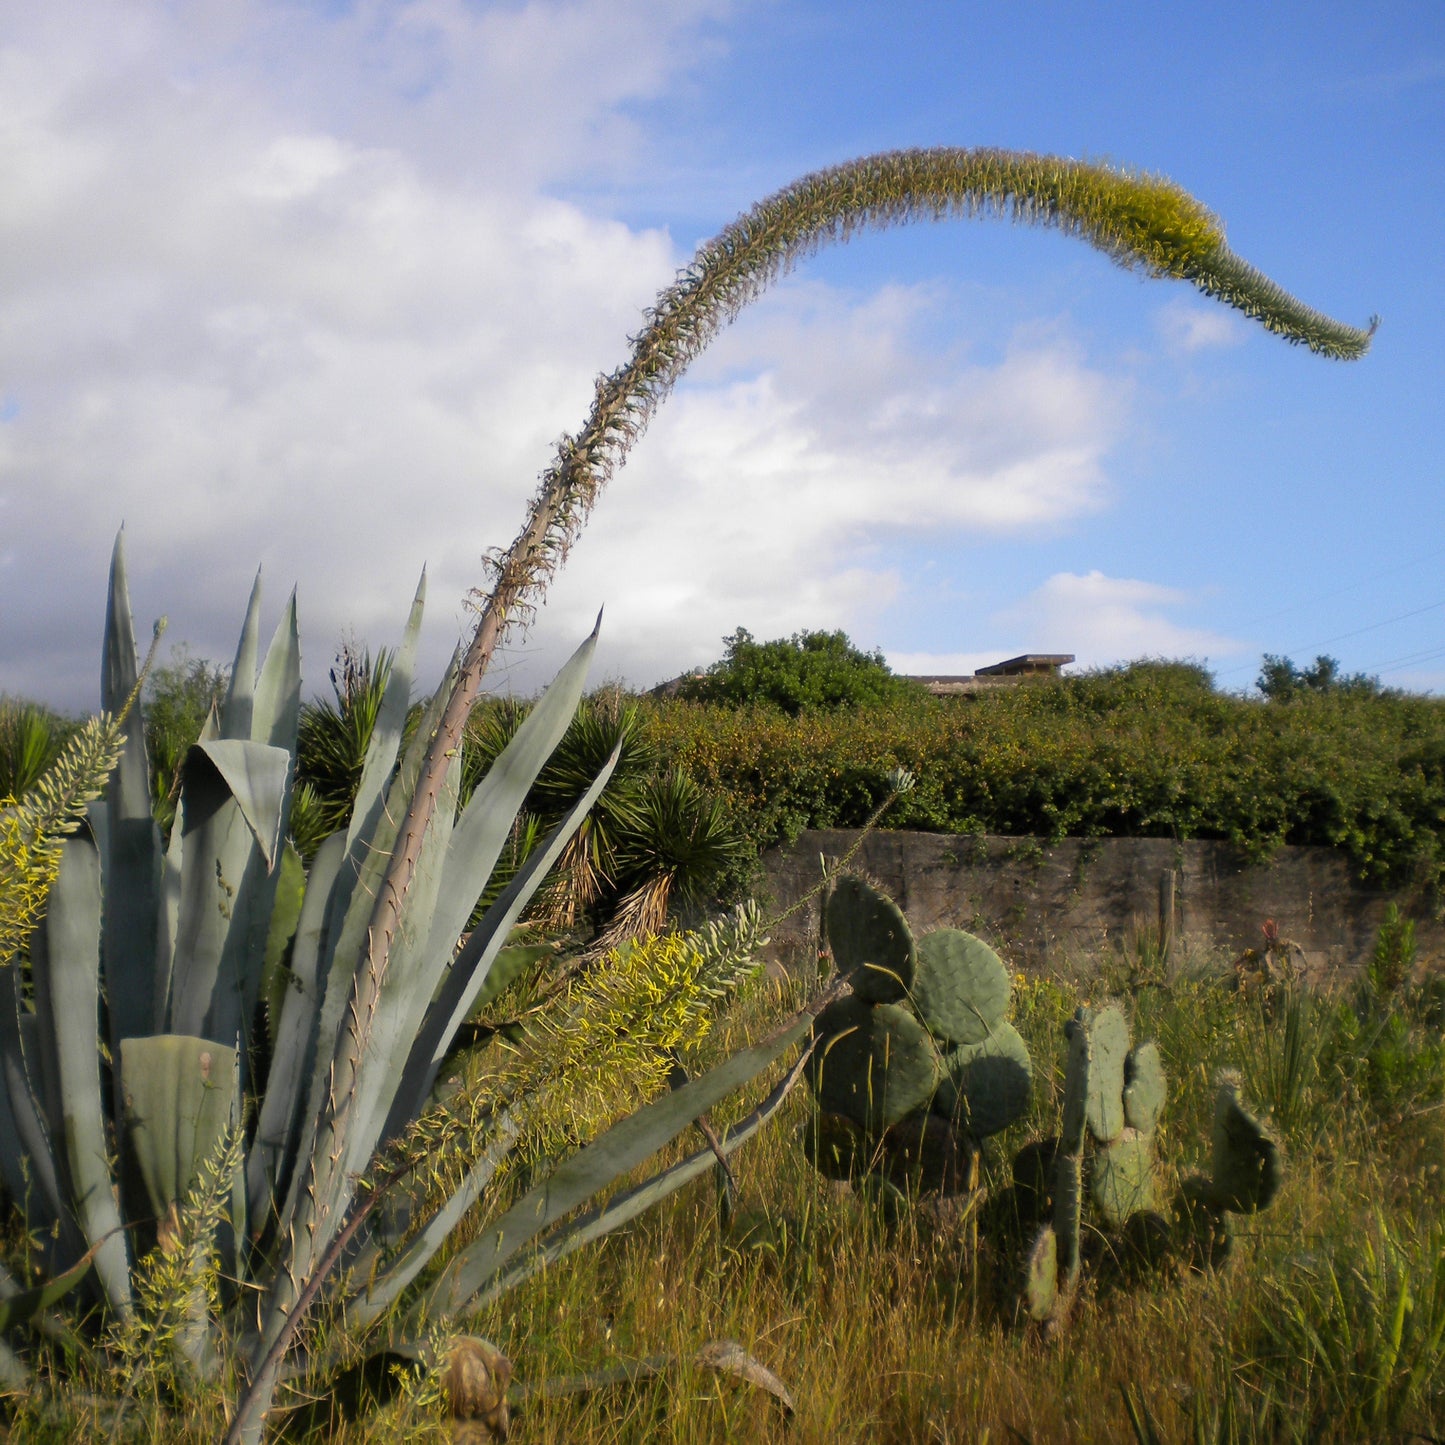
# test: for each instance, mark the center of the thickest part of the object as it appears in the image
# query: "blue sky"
(317, 287)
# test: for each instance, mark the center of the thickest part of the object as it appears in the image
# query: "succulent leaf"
(1145, 1088)
(874, 1062)
(987, 1085)
(1248, 1166)
(961, 988)
(868, 932)
(1122, 1177)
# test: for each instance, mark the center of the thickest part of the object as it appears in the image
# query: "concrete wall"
(1053, 905)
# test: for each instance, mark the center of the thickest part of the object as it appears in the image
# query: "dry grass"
(908, 1333)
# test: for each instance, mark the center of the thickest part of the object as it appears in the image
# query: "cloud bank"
(296, 288)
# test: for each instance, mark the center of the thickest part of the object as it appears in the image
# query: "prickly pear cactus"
(1104, 1159)
(921, 1063)
(1113, 1097)
(1247, 1171)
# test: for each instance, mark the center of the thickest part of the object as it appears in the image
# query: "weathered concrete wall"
(1047, 905)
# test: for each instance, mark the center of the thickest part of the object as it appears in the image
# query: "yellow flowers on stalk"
(31, 827)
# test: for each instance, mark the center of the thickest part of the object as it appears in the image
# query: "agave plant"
(168, 950)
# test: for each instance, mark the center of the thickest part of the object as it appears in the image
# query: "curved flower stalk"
(1140, 221)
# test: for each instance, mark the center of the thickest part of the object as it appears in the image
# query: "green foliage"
(31, 739)
(807, 670)
(1393, 958)
(1145, 750)
(1280, 680)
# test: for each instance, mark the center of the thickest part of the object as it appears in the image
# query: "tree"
(1280, 680)
(806, 670)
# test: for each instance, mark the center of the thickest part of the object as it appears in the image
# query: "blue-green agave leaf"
(20, 1306)
(616, 1151)
(459, 991)
(236, 710)
(293, 1046)
(625, 1207)
(180, 1105)
(131, 850)
(276, 707)
(232, 800)
(66, 959)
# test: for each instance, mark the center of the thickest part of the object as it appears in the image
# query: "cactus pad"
(923, 1153)
(873, 1063)
(1041, 1278)
(1144, 1088)
(868, 932)
(986, 1086)
(1200, 1226)
(1076, 1086)
(1248, 1169)
(835, 1146)
(961, 988)
(1122, 1180)
(1108, 1048)
(1068, 1200)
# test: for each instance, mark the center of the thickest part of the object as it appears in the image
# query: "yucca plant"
(375, 993)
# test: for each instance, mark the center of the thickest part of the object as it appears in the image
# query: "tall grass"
(1328, 1324)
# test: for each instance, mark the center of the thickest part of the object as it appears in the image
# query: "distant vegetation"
(1150, 749)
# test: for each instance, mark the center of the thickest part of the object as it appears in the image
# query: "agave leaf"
(469, 971)
(348, 919)
(410, 979)
(179, 1105)
(285, 918)
(131, 855)
(486, 822)
(386, 1288)
(256, 775)
(390, 723)
(26, 1110)
(616, 1151)
(294, 1041)
(66, 958)
(276, 707)
(239, 706)
(20, 1306)
(232, 801)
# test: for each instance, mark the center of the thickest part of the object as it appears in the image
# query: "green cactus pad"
(1145, 1089)
(874, 1063)
(1108, 1048)
(835, 1146)
(1122, 1178)
(1201, 1228)
(961, 988)
(1076, 1086)
(1033, 1178)
(867, 931)
(1248, 1167)
(1068, 1199)
(1041, 1276)
(986, 1086)
(924, 1154)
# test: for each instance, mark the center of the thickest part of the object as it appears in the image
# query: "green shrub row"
(1147, 750)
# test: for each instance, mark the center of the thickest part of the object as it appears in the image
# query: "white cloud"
(284, 286)
(1186, 326)
(1104, 620)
